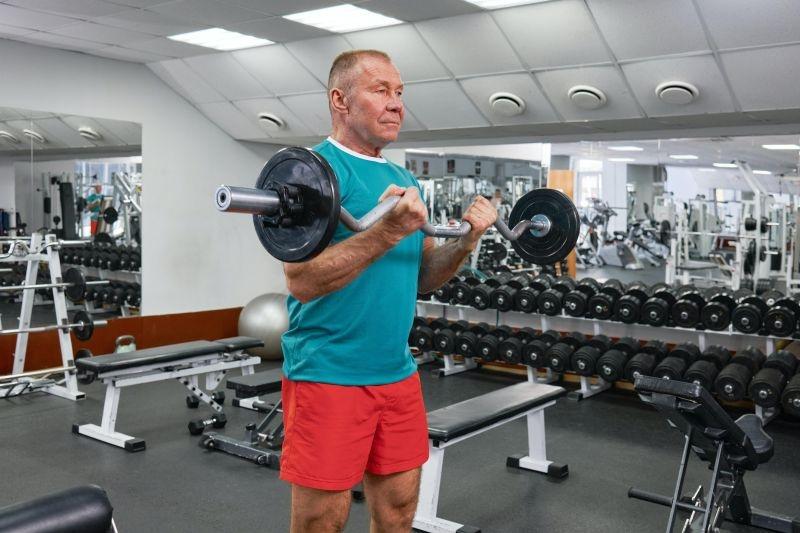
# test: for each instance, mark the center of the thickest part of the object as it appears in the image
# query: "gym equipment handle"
(266, 202)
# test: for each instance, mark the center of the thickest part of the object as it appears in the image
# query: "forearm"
(338, 264)
(440, 263)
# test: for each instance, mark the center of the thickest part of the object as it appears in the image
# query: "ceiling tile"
(294, 127)
(700, 71)
(661, 27)
(128, 132)
(14, 16)
(408, 51)
(736, 23)
(765, 78)
(59, 41)
(312, 110)
(556, 84)
(210, 12)
(148, 22)
(410, 122)
(537, 109)
(485, 51)
(415, 10)
(12, 31)
(89, 31)
(318, 54)
(269, 65)
(227, 76)
(168, 47)
(230, 119)
(283, 7)
(442, 104)
(278, 29)
(10, 113)
(185, 81)
(83, 9)
(128, 54)
(553, 34)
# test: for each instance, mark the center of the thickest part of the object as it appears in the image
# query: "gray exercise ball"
(265, 317)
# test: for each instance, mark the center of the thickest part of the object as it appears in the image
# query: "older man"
(353, 405)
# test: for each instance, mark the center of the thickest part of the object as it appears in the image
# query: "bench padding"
(85, 509)
(482, 411)
(160, 354)
(256, 384)
(240, 343)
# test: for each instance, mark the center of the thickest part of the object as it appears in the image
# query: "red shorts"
(334, 433)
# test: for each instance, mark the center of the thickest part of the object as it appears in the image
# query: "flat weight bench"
(185, 362)
(85, 509)
(263, 440)
(466, 419)
(731, 447)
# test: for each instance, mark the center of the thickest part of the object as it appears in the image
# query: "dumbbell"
(718, 355)
(510, 349)
(686, 309)
(551, 301)
(601, 305)
(467, 340)
(716, 314)
(534, 352)
(687, 351)
(601, 342)
(527, 297)
(675, 365)
(656, 310)
(503, 297)
(655, 347)
(732, 381)
(629, 306)
(748, 315)
(481, 295)
(782, 318)
(584, 360)
(767, 386)
(136, 297)
(771, 296)
(421, 335)
(488, 344)
(702, 373)
(644, 362)
(790, 399)
(197, 426)
(611, 365)
(444, 340)
(576, 301)
(444, 293)
(558, 356)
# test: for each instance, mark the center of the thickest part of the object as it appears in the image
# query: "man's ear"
(339, 100)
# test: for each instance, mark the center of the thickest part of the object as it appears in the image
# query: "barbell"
(83, 377)
(296, 209)
(82, 325)
(74, 285)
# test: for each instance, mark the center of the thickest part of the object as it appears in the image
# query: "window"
(589, 184)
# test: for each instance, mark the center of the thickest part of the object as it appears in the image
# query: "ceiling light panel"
(725, 165)
(220, 39)
(621, 159)
(763, 172)
(497, 4)
(781, 146)
(343, 18)
(683, 156)
(626, 148)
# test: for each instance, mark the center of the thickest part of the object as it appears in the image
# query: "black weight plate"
(77, 288)
(564, 226)
(83, 332)
(313, 229)
(103, 238)
(110, 215)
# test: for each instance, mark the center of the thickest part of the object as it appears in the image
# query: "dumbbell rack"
(44, 249)
(730, 339)
(127, 276)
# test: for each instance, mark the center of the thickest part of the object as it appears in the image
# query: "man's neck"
(354, 143)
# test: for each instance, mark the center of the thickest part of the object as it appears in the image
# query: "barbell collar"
(247, 200)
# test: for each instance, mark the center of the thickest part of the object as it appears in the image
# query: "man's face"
(98, 189)
(375, 105)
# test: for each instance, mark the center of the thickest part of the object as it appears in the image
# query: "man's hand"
(481, 215)
(409, 215)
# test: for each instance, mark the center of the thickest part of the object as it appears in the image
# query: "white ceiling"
(744, 57)
(61, 132)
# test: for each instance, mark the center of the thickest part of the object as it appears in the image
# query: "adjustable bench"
(85, 509)
(185, 362)
(463, 420)
(262, 441)
(732, 448)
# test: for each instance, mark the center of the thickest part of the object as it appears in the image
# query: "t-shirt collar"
(354, 153)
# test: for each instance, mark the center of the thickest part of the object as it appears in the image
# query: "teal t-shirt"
(358, 335)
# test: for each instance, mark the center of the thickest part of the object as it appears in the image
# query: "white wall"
(614, 191)
(194, 258)
(7, 185)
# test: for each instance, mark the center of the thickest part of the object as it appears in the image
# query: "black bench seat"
(148, 356)
(248, 386)
(241, 342)
(482, 411)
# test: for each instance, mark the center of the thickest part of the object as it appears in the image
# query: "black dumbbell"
(771, 296)
(192, 402)
(444, 340)
(467, 340)
(558, 356)
(481, 295)
(601, 305)
(601, 342)
(218, 396)
(732, 381)
(421, 336)
(790, 399)
(611, 365)
(671, 367)
(576, 339)
(629, 306)
(716, 314)
(687, 308)
(687, 351)
(503, 297)
(584, 360)
(444, 293)
(656, 348)
(551, 301)
(197, 426)
(576, 301)
(641, 364)
(702, 373)
(782, 318)
(768, 384)
(748, 315)
(656, 310)
(628, 345)
(719, 355)
(510, 349)
(489, 343)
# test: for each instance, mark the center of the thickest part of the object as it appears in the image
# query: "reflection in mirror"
(70, 198)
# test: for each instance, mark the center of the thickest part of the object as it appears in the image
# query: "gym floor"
(610, 442)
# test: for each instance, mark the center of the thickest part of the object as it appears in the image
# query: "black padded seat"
(160, 354)
(256, 384)
(477, 413)
(233, 344)
(85, 509)
(754, 429)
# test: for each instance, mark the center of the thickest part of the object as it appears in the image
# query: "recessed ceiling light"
(621, 159)
(497, 4)
(683, 156)
(781, 146)
(626, 148)
(89, 133)
(343, 18)
(8, 137)
(725, 165)
(219, 39)
(763, 172)
(34, 136)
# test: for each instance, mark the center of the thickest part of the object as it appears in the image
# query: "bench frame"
(187, 371)
(426, 518)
